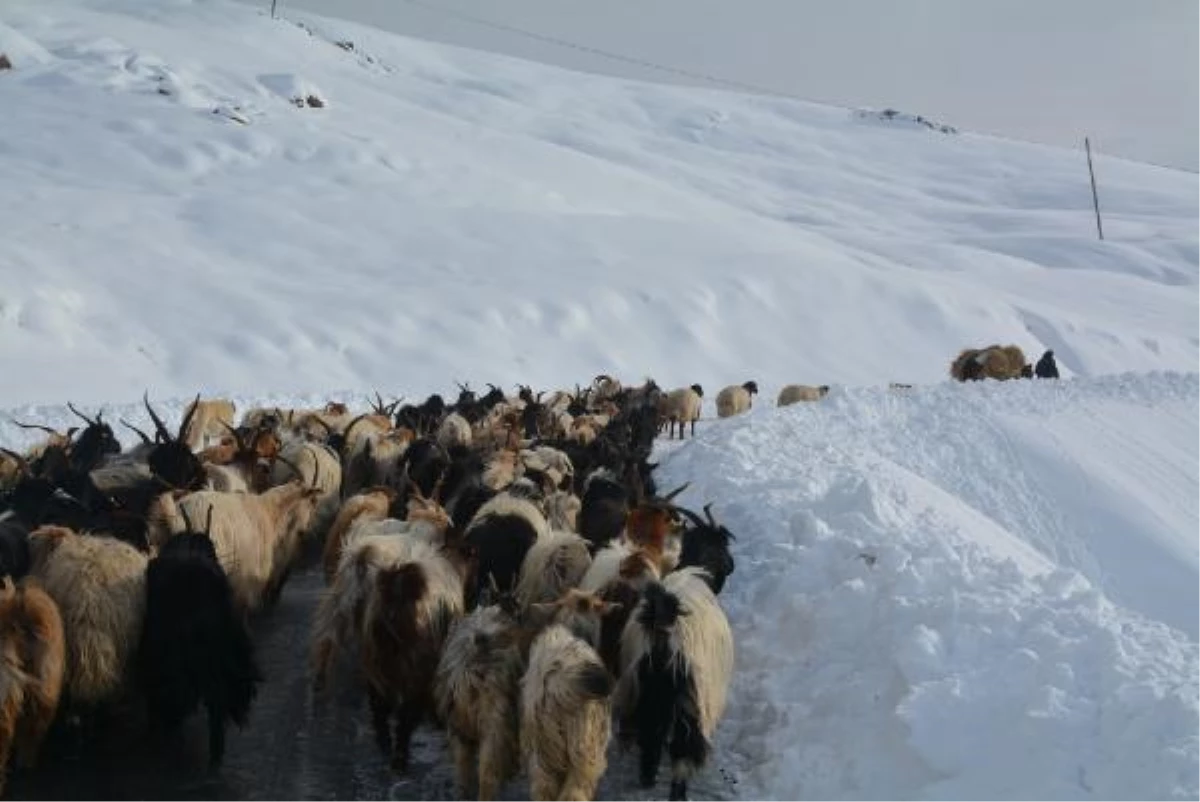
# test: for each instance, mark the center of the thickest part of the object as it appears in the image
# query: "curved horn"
(21, 461)
(187, 419)
(145, 437)
(346, 432)
(677, 491)
(45, 429)
(84, 418)
(237, 436)
(321, 422)
(691, 516)
(159, 427)
(290, 464)
(208, 521)
(708, 513)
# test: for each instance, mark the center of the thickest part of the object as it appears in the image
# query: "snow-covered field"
(955, 591)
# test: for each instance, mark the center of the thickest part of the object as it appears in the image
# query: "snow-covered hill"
(450, 213)
(943, 57)
(955, 591)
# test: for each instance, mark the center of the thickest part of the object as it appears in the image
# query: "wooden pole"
(273, 2)
(1095, 198)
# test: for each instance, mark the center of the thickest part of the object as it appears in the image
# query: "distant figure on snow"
(1047, 368)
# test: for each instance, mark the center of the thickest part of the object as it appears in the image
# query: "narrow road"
(293, 747)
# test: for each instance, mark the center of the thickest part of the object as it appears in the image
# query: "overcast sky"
(1124, 72)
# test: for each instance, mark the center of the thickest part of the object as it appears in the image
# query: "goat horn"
(677, 491)
(82, 417)
(159, 426)
(145, 437)
(290, 464)
(20, 460)
(46, 429)
(708, 513)
(691, 516)
(237, 436)
(187, 520)
(208, 520)
(187, 419)
(321, 421)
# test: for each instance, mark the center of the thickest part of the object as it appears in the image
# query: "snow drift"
(174, 220)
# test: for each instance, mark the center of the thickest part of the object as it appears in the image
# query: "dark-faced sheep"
(32, 665)
(736, 399)
(677, 663)
(681, 407)
(195, 649)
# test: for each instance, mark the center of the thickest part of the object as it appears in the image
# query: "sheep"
(681, 407)
(677, 662)
(256, 536)
(476, 689)
(793, 393)
(554, 564)
(32, 667)
(993, 362)
(502, 532)
(1047, 368)
(99, 585)
(194, 648)
(206, 419)
(736, 399)
(407, 617)
(566, 711)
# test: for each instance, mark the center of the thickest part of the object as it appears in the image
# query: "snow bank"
(173, 221)
(934, 598)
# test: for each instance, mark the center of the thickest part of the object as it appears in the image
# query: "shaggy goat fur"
(502, 532)
(476, 690)
(677, 663)
(736, 399)
(566, 716)
(195, 649)
(206, 421)
(99, 585)
(993, 362)
(454, 430)
(370, 505)
(552, 565)
(794, 393)
(256, 536)
(562, 511)
(32, 664)
(408, 615)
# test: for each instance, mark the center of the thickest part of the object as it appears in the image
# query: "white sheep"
(681, 406)
(99, 585)
(792, 393)
(736, 399)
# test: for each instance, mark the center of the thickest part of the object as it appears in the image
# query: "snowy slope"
(452, 213)
(944, 57)
(944, 594)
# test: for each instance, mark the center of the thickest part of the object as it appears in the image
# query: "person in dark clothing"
(1047, 368)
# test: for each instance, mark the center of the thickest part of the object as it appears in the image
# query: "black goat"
(605, 504)
(195, 648)
(14, 549)
(706, 545)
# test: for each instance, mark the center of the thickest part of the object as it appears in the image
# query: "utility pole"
(1095, 198)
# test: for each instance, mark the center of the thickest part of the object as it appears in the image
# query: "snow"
(958, 591)
(1123, 74)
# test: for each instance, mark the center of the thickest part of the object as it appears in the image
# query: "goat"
(566, 716)
(406, 619)
(194, 647)
(32, 665)
(14, 548)
(736, 399)
(792, 393)
(605, 505)
(206, 419)
(554, 564)
(677, 663)
(370, 505)
(502, 532)
(706, 545)
(99, 585)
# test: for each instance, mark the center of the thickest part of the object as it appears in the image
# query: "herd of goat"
(502, 568)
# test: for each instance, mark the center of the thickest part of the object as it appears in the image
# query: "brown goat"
(993, 362)
(32, 664)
